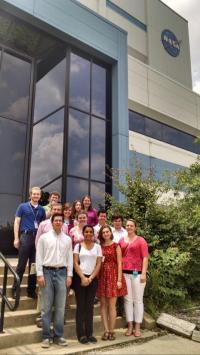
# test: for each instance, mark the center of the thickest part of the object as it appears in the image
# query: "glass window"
(47, 149)
(9, 205)
(78, 144)
(97, 194)
(50, 86)
(98, 143)
(136, 122)
(79, 95)
(153, 128)
(12, 153)
(98, 90)
(14, 87)
(76, 189)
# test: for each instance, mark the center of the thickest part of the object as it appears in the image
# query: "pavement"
(169, 344)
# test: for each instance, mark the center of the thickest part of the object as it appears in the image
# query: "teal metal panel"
(95, 33)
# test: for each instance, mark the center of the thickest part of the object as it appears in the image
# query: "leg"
(104, 313)
(138, 292)
(59, 301)
(24, 250)
(112, 313)
(31, 277)
(128, 304)
(80, 308)
(89, 306)
(47, 297)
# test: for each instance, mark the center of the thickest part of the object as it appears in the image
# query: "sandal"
(137, 334)
(111, 336)
(105, 336)
(129, 332)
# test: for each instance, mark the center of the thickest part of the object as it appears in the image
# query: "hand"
(16, 243)
(41, 281)
(85, 281)
(119, 285)
(68, 281)
(143, 278)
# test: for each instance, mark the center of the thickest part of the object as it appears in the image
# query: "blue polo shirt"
(29, 215)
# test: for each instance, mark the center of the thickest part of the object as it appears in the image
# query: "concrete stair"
(22, 336)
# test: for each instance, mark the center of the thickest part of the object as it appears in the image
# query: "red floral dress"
(108, 275)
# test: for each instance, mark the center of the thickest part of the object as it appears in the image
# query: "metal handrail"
(3, 290)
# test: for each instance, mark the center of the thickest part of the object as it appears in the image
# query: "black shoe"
(83, 340)
(32, 295)
(92, 339)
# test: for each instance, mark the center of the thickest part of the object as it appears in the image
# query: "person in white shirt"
(102, 219)
(87, 263)
(54, 266)
(117, 230)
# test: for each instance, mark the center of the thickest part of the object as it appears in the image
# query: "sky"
(190, 10)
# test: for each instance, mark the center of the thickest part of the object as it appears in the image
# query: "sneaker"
(60, 341)
(45, 343)
(83, 340)
(92, 339)
(39, 322)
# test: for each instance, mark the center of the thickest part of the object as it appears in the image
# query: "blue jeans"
(53, 294)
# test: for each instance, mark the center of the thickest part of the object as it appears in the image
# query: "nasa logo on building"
(170, 43)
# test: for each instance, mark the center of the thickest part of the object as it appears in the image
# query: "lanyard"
(33, 212)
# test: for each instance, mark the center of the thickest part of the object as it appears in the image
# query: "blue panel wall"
(159, 167)
(95, 33)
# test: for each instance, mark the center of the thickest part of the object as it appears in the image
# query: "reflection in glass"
(50, 86)
(78, 144)
(153, 128)
(76, 189)
(12, 143)
(136, 122)
(14, 87)
(79, 83)
(98, 149)
(9, 205)
(47, 149)
(97, 194)
(98, 90)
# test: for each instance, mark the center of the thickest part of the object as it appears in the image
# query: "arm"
(39, 263)
(96, 269)
(84, 280)
(143, 276)
(39, 233)
(16, 232)
(69, 266)
(119, 266)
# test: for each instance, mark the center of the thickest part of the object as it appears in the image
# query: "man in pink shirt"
(46, 225)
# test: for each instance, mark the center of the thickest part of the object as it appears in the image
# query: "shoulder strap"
(79, 248)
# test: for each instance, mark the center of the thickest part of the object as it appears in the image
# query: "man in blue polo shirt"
(27, 219)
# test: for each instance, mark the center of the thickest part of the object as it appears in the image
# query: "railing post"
(3, 298)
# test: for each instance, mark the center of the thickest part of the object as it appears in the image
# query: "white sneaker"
(45, 343)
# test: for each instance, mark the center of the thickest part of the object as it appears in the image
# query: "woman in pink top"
(86, 204)
(134, 266)
(76, 233)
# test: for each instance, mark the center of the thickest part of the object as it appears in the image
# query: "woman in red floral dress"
(111, 282)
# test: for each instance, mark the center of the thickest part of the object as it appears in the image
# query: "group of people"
(74, 247)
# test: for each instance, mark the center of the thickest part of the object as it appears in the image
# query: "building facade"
(86, 86)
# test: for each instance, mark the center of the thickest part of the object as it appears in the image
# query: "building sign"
(170, 43)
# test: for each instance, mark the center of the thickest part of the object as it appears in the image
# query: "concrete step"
(23, 290)
(24, 303)
(28, 317)
(13, 263)
(74, 347)
(31, 334)
(10, 279)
